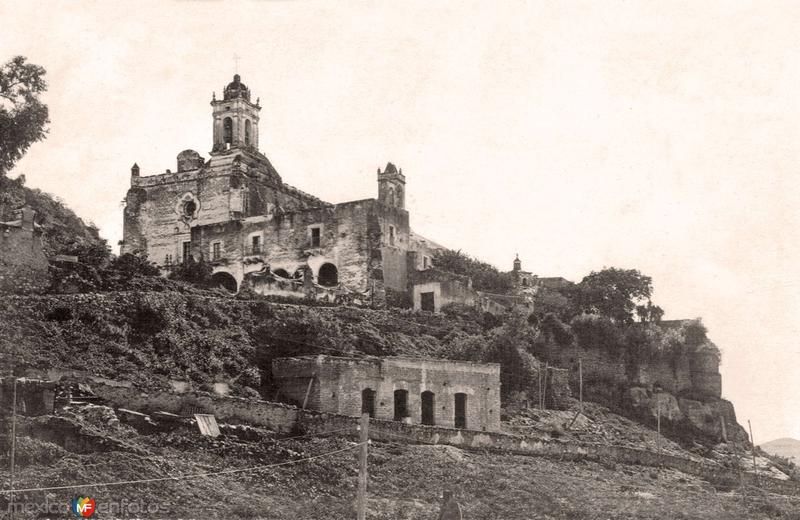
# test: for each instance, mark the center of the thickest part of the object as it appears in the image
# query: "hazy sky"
(662, 136)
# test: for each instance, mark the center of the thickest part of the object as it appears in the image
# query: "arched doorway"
(461, 411)
(224, 280)
(400, 405)
(328, 275)
(283, 273)
(368, 402)
(428, 407)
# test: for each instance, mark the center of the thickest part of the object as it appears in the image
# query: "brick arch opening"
(224, 280)
(400, 405)
(328, 275)
(283, 273)
(460, 412)
(368, 402)
(428, 408)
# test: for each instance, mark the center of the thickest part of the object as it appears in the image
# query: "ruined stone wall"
(277, 416)
(705, 376)
(674, 376)
(287, 242)
(225, 188)
(446, 288)
(34, 397)
(341, 382)
(23, 265)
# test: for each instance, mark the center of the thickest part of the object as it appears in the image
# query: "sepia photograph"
(417, 260)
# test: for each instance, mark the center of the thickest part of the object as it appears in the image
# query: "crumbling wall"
(23, 265)
(339, 383)
(34, 397)
(279, 417)
(446, 288)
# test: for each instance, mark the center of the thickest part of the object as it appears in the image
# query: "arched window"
(328, 275)
(247, 132)
(524, 282)
(390, 197)
(227, 131)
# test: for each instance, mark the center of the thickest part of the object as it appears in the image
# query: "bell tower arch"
(235, 118)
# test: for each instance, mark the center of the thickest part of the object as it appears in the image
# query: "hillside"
(153, 338)
(784, 447)
(63, 231)
(273, 476)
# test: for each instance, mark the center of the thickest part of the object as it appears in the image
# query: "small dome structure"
(237, 89)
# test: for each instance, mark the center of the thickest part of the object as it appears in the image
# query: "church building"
(233, 211)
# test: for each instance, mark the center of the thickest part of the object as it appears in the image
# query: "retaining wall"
(284, 418)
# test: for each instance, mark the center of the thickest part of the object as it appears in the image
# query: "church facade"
(234, 211)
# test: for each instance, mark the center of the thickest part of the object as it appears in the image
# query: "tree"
(193, 272)
(485, 277)
(615, 294)
(23, 117)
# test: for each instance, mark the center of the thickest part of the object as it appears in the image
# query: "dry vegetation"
(404, 480)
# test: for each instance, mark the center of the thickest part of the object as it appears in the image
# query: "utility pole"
(544, 390)
(580, 383)
(658, 423)
(539, 380)
(361, 499)
(740, 466)
(13, 448)
(753, 444)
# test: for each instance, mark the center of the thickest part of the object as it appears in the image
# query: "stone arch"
(400, 404)
(328, 275)
(368, 402)
(428, 403)
(227, 130)
(247, 131)
(225, 280)
(283, 273)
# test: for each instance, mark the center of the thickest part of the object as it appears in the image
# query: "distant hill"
(785, 447)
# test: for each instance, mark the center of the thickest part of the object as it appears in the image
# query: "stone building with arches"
(433, 392)
(234, 211)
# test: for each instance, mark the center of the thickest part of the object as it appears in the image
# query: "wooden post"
(580, 383)
(361, 498)
(753, 444)
(539, 375)
(544, 385)
(658, 423)
(308, 390)
(13, 449)
(740, 466)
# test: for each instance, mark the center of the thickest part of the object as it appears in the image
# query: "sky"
(662, 136)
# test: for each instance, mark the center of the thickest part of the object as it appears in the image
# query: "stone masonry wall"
(23, 265)
(339, 383)
(283, 418)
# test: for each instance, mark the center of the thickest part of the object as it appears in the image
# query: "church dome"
(237, 89)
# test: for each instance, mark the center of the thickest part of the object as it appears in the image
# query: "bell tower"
(392, 186)
(235, 118)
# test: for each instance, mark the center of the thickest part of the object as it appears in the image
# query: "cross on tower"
(236, 59)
